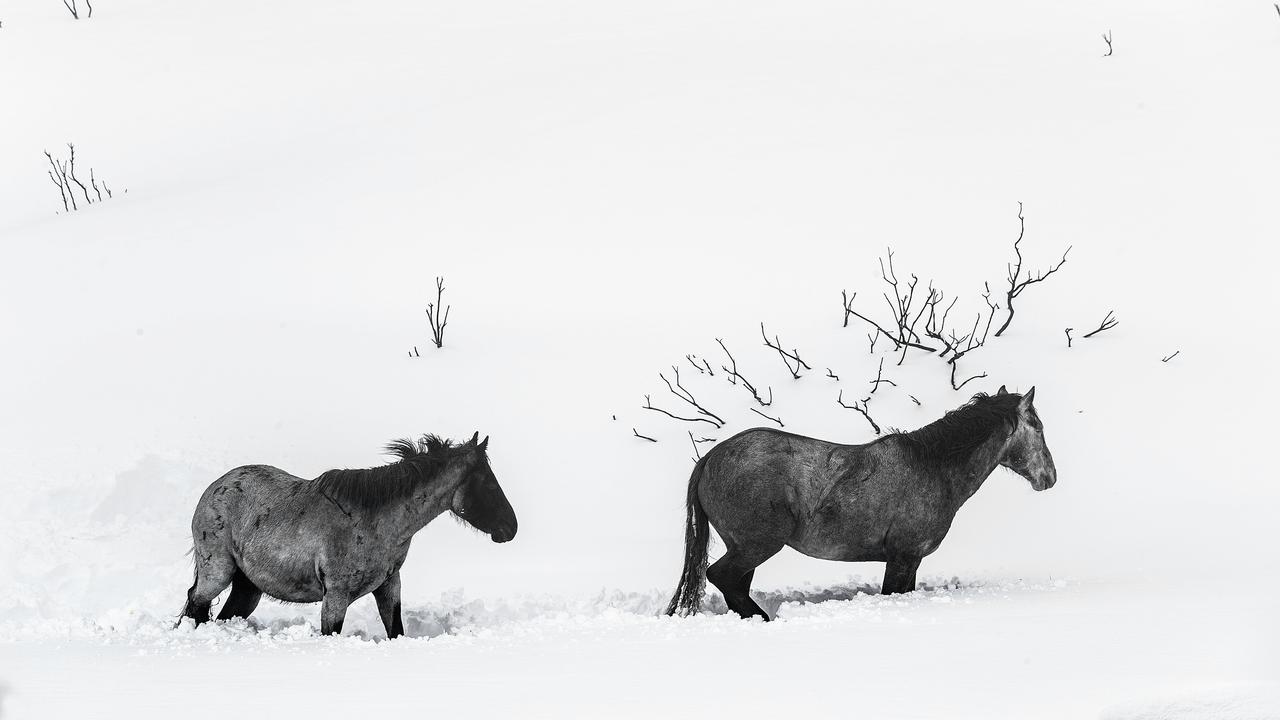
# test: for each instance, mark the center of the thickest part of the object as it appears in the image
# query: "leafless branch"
(63, 174)
(648, 405)
(1107, 38)
(704, 367)
(861, 408)
(434, 317)
(642, 437)
(898, 340)
(914, 399)
(875, 384)
(696, 441)
(767, 417)
(1017, 281)
(1108, 322)
(1174, 355)
(1068, 331)
(734, 376)
(683, 393)
(832, 375)
(787, 357)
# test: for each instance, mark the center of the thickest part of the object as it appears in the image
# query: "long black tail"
(693, 579)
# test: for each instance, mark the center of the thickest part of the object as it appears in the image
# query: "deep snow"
(607, 187)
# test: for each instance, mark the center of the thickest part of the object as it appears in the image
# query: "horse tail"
(693, 579)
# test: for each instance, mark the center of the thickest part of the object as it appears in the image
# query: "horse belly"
(284, 574)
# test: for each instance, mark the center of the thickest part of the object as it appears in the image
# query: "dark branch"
(642, 437)
(1174, 355)
(648, 405)
(860, 408)
(1107, 38)
(1019, 283)
(683, 393)
(1108, 322)
(767, 417)
(735, 376)
(787, 357)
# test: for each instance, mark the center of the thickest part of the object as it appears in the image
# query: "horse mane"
(952, 439)
(370, 488)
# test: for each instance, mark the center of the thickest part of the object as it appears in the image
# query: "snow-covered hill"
(606, 188)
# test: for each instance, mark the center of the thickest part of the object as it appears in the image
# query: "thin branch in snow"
(861, 408)
(1017, 281)
(642, 437)
(1174, 355)
(767, 417)
(1068, 331)
(436, 320)
(875, 384)
(1108, 322)
(696, 441)
(832, 375)
(734, 376)
(700, 364)
(787, 357)
(683, 393)
(648, 405)
(914, 399)
(1107, 38)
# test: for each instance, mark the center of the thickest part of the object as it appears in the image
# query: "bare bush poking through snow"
(438, 314)
(63, 174)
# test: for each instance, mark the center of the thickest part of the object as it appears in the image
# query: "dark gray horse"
(891, 500)
(337, 537)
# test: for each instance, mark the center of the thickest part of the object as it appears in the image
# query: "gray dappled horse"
(891, 500)
(337, 537)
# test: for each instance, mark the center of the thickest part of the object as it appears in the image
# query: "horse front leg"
(388, 598)
(900, 576)
(333, 610)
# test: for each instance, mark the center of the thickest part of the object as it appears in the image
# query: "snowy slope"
(607, 187)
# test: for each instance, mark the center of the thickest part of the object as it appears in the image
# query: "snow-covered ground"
(607, 187)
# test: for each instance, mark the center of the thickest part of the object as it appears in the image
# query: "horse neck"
(984, 460)
(430, 498)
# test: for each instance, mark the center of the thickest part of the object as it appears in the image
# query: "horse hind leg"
(214, 572)
(733, 572)
(243, 599)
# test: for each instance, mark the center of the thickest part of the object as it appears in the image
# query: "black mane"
(952, 439)
(420, 460)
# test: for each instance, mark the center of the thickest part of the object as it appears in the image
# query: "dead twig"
(1174, 355)
(1068, 331)
(696, 441)
(642, 437)
(1107, 38)
(734, 376)
(875, 384)
(704, 367)
(1108, 322)
(1017, 282)
(768, 417)
(787, 357)
(683, 393)
(436, 320)
(648, 405)
(832, 375)
(862, 409)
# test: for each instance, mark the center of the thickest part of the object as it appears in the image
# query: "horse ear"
(475, 439)
(484, 444)
(1027, 399)
(1002, 391)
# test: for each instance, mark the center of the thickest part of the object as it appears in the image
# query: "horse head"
(479, 499)
(1026, 452)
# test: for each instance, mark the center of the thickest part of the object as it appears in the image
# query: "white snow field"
(607, 187)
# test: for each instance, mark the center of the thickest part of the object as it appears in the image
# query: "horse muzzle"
(503, 534)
